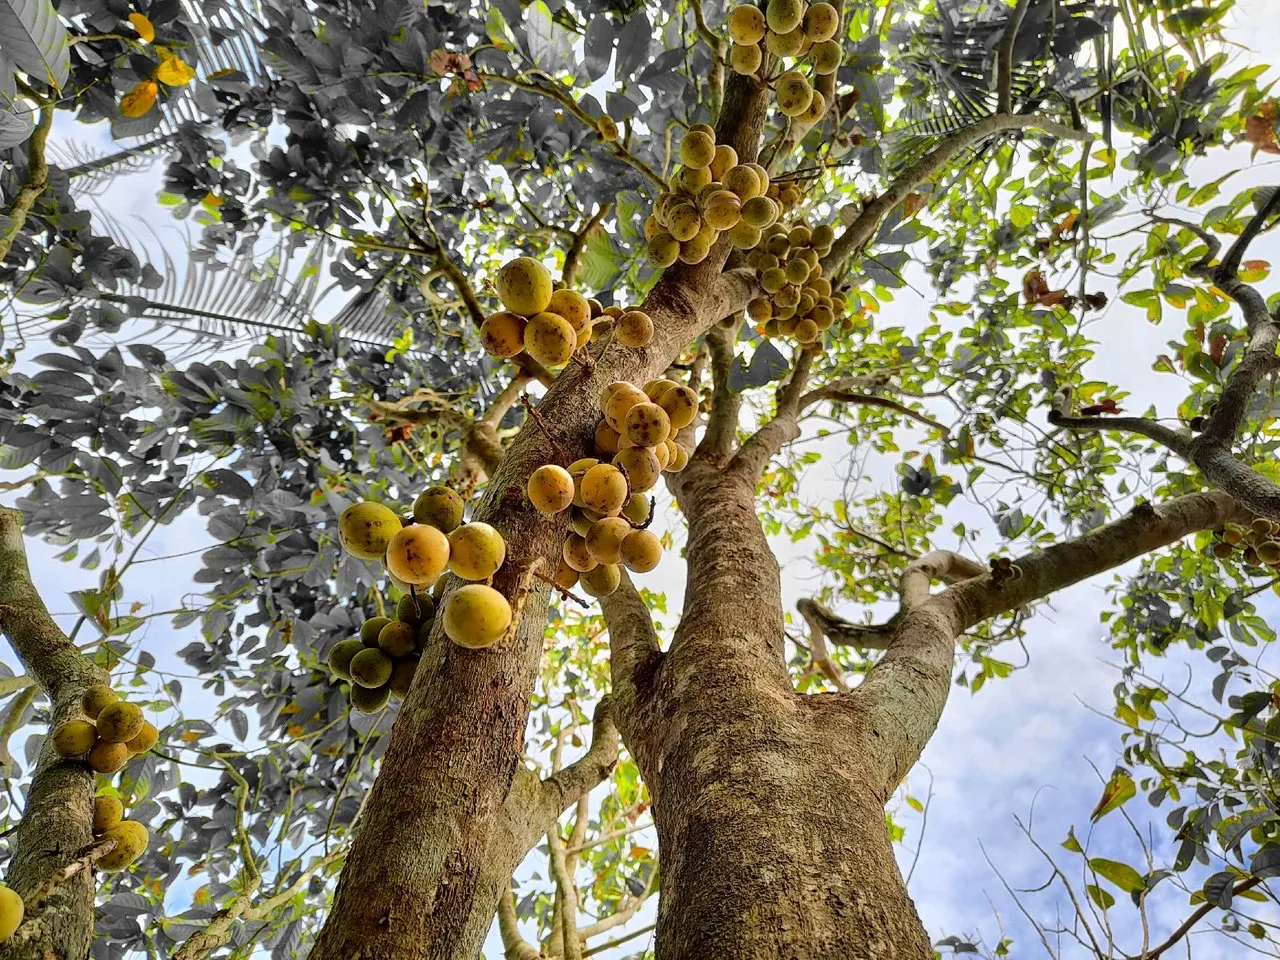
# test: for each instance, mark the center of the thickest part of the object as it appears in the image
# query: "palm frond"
(92, 171)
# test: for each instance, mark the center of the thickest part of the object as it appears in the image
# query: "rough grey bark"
(56, 822)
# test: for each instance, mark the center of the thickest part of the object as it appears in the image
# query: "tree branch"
(1230, 265)
(36, 180)
(755, 454)
(633, 644)
(514, 945)
(574, 255)
(579, 778)
(1144, 426)
(566, 897)
(834, 394)
(1195, 917)
(1004, 59)
(722, 422)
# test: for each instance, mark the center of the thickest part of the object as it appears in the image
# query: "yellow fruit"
(743, 182)
(340, 655)
(107, 757)
(418, 554)
(604, 541)
(822, 317)
(647, 424)
(691, 180)
(806, 330)
(726, 159)
(793, 93)
(370, 668)
(684, 222)
(640, 551)
(550, 489)
(746, 24)
(524, 286)
(697, 249)
(825, 57)
(652, 226)
(502, 334)
(821, 21)
(602, 580)
(706, 128)
(476, 616)
(617, 400)
(119, 722)
(550, 339)
(697, 149)
(95, 698)
(575, 554)
(398, 639)
(664, 250)
(641, 467)
(131, 840)
(663, 452)
(607, 128)
(476, 551)
(573, 307)
(604, 489)
(146, 738)
(107, 813)
(723, 209)
(816, 110)
(759, 212)
(439, 507)
(369, 699)
(745, 58)
(783, 16)
(785, 44)
(743, 235)
(12, 910)
(656, 388)
(576, 470)
(633, 329)
(365, 529)
(679, 458)
(371, 628)
(606, 439)
(584, 337)
(680, 404)
(796, 270)
(566, 577)
(402, 672)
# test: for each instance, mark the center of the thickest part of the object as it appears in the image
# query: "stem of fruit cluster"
(541, 423)
(523, 589)
(567, 594)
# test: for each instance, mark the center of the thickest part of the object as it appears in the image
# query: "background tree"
(412, 150)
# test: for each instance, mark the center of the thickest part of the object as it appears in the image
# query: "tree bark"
(56, 823)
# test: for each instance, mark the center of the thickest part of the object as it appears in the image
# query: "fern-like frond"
(92, 171)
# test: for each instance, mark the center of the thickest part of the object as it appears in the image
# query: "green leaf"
(32, 36)
(1071, 843)
(1102, 898)
(598, 267)
(1120, 874)
(550, 45)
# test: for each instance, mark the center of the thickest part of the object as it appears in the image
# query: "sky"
(1027, 744)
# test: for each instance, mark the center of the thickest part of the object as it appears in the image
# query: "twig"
(616, 941)
(83, 861)
(541, 422)
(567, 594)
(1004, 59)
(37, 179)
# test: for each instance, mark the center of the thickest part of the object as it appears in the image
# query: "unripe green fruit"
(745, 58)
(502, 334)
(1223, 550)
(369, 699)
(1269, 551)
(340, 655)
(641, 467)
(12, 910)
(783, 16)
(144, 740)
(476, 551)
(604, 489)
(95, 698)
(633, 329)
(131, 840)
(372, 627)
(417, 555)
(365, 529)
(773, 280)
(637, 508)
(398, 639)
(476, 616)
(550, 489)
(746, 23)
(524, 286)
(697, 149)
(640, 551)
(107, 757)
(691, 180)
(370, 668)
(415, 609)
(402, 676)
(607, 128)
(107, 813)
(793, 93)
(602, 580)
(439, 507)
(119, 722)
(797, 270)
(647, 424)
(604, 540)
(825, 57)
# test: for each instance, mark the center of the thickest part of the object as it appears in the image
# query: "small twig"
(84, 860)
(567, 594)
(37, 179)
(523, 588)
(541, 422)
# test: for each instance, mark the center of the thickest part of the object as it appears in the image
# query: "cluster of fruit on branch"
(380, 663)
(798, 301)
(1258, 544)
(787, 29)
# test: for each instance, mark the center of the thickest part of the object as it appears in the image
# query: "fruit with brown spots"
(640, 551)
(647, 424)
(524, 286)
(550, 489)
(634, 329)
(604, 540)
(74, 738)
(96, 697)
(550, 339)
(107, 813)
(476, 616)
(107, 757)
(131, 839)
(476, 551)
(120, 722)
(601, 580)
(418, 554)
(370, 668)
(604, 489)
(365, 529)
(502, 334)
(439, 507)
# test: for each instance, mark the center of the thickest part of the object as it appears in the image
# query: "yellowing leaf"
(637, 852)
(139, 101)
(174, 72)
(295, 731)
(146, 30)
(1251, 271)
(190, 736)
(1119, 789)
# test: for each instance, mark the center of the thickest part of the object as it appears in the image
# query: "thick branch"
(37, 179)
(579, 778)
(722, 422)
(566, 898)
(514, 945)
(762, 445)
(1004, 59)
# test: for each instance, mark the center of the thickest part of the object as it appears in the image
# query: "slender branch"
(566, 897)
(715, 80)
(514, 945)
(618, 941)
(13, 719)
(1144, 426)
(573, 257)
(820, 621)
(1195, 917)
(579, 778)
(871, 400)
(36, 180)
(761, 446)
(722, 422)
(1004, 58)
(1230, 265)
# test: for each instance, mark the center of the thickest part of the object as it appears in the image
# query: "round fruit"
(604, 489)
(745, 58)
(680, 404)
(816, 110)
(340, 655)
(476, 551)
(793, 93)
(602, 580)
(365, 529)
(746, 24)
(95, 698)
(783, 16)
(743, 235)
(656, 388)
(131, 839)
(424, 633)
(684, 222)
(12, 910)
(637, 509)
(663, 452)
(743, 182)
(402, 676)
(679, 458)
(697, 249)
(476, 616)
(372, 627)
(573, 307)
(145, 739)
(1223, 550)
(697, 149)
(606, 439)
(566, 577)
(107, 813)
(370, 668)
(825, 57)
(691, 180)
(550, 489)
(418, 555)
(723, 209)
(119, 722)
(725, 160)
(664, 250)
(369, 699)
(1269, 551)
(575, 554)
(607, 128)
(806, 330)
(640, 466)
(640, 551)
(785, 44)
(439, 507)
(604, 541)
(524, 286)
(796, 270)
(107, 757)
(617, 402)
(820, 22)
(415, 609)
(634, 329)
(502, 334)
(647, 425)
(398, 639)
(578, 470)
(550, 339)
(759, 212)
